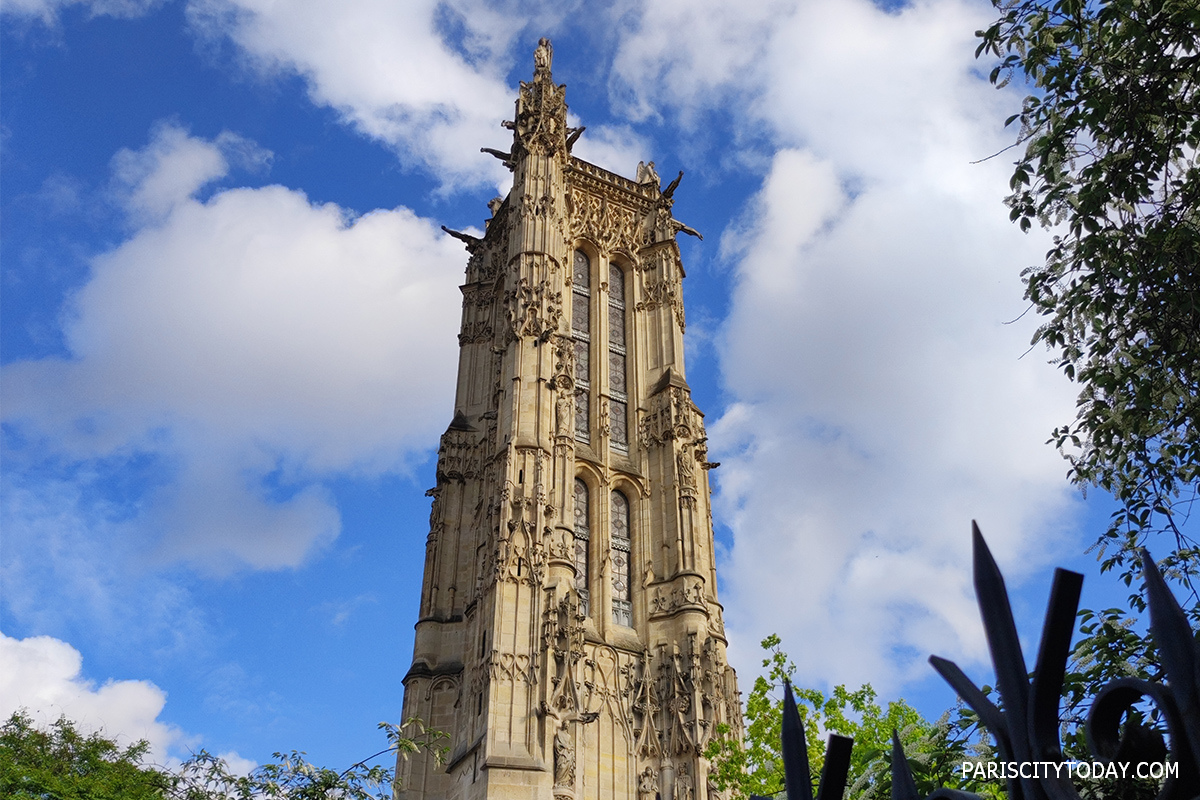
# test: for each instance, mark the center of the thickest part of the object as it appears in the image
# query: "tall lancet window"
(622, 605)
(617, 371)
(582, 573)
(581, 330)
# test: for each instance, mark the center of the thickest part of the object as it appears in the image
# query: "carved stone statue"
(564, 415)
(564, 758)
(648, 785)
(543, 55)
(683, 784)
(686, 461)
(646, 173)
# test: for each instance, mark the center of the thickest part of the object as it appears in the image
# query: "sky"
(228, 319)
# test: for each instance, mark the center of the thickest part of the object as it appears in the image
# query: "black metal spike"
(1046, 691)
(1177, 649)
(836, 768)
(1012, 676)
(989, 715)
(797, 776)
(903, 785)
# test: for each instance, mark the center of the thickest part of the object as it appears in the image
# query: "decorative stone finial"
(540, 126)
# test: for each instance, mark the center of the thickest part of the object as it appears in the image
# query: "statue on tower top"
(542, 57)
(540, 126)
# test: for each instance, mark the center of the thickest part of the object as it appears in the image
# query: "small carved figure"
(564, 414)
(683, 783)
(543, 55)
(646, 173)
(564, 756)
(686, 461)
(648, 785)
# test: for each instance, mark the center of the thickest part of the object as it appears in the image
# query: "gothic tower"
(570, 640)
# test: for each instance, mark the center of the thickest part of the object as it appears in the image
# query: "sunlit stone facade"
(570, 640)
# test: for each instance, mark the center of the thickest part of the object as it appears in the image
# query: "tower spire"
(540, 126)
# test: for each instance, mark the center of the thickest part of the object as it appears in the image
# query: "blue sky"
(229, 316)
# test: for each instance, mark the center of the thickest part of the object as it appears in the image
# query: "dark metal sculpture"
(1025, 725)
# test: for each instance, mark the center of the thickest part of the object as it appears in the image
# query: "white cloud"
(153, 181)
(715, 62)
(879, 401)
(44, 676)
(249, 346)
(388, 69)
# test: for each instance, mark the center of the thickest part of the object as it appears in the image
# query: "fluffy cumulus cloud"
(879, 397)
(235, 352)
(425, 76)
(43, 676)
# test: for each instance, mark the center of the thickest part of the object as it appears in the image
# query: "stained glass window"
(581, 544)
(617, 360)
(622, 605)
(581, 330)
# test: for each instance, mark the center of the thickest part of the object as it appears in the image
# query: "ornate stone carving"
(688, 595)
(671, 416)
(520, 555)
(533, 309)
(460, 456)
(511, 667)
(603, 420)
(612, 227)
(645, 709)
(541, 124)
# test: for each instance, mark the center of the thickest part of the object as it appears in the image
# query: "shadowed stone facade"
(570, 640)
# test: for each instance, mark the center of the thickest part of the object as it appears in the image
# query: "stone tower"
(570, 640)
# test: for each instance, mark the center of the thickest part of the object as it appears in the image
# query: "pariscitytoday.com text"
(1082, 770)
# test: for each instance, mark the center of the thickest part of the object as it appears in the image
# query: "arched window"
(620, 544)
(617, 360)
(581, 331)
(582, 573)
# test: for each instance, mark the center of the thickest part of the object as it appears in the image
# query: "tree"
(1110, 137)
(63, 763)
(292, 777)
(935, 750)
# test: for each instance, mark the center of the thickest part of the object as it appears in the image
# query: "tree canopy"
(62, 763)
(1109, 139)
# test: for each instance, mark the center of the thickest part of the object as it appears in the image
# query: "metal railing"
(1025, 724)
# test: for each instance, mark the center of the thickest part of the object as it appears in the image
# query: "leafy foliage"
(1112, 648)
(1111, 134)
(63, 763)
(934, 749)
(291, 776)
